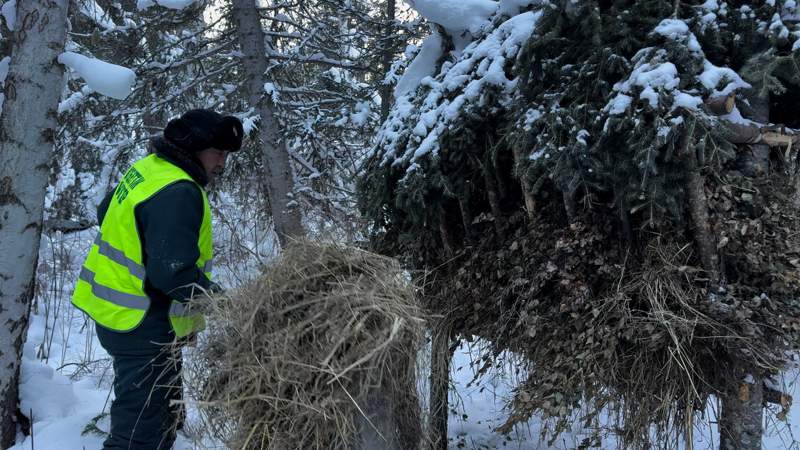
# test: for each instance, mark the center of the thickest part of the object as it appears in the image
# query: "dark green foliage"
(568, 130)
(627, 179)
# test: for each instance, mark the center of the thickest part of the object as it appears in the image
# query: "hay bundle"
(318, 353)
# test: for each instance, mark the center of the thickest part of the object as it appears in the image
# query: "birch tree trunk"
(27, 136)
(280, 179)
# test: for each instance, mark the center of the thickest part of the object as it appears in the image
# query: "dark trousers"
(146, 380)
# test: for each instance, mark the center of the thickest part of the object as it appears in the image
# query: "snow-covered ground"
(66, 381)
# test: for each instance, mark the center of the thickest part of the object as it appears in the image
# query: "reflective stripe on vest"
(115, 297)
(110, 287)
(119, 257)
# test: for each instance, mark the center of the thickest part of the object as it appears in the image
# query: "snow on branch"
(456, 15)
(654, 77)
(106, 78)
(427, 103)
(9, 12)
(92, 10)
(171, 4)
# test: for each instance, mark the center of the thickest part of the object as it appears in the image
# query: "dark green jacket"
(169, 225)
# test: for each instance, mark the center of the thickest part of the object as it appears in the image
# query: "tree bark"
(466, 220)
(741, 421)
(386, 56)
(448, 242)
(27, 135)
(698, 211)
(275, 154)
(391, 419)
(756, 162)
(439, 387)
(493, 195)
(527, 189)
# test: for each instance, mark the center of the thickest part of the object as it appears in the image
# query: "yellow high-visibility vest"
(110, 288)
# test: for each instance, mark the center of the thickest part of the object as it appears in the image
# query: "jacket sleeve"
(102, 208)
(169, 227)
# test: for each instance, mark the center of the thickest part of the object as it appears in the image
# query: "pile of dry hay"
(318, 353)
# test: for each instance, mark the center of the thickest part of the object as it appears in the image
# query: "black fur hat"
(200, 129)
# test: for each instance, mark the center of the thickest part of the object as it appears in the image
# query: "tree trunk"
(391, 419)
(755, 163)
(27, 136)
(439, 385)
(280, 179)
(387, 49)
(741, 421)
(527, 189)
(698, 211)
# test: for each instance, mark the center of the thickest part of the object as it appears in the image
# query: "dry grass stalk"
(319, 353)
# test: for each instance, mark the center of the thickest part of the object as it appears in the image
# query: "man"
(152, 255)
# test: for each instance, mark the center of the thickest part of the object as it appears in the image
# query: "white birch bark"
(27, 136)
(280, 179)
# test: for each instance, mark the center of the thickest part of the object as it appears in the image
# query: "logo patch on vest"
(129, 182)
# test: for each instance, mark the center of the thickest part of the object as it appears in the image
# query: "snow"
(360, 114)
(423, 65)
(106, 78)
(678, 31)
(713, 75)
(4, 68)
(531, 117)
(672, 28)
(735, 116)
(9, 12)
(272, 91)
(171, 4)
(710, 5)
(777, 27)
(478, 406)
(513, 7)
(581, 137)
(92, 10)
(618, 104)
(456, 15)
(459, 85)
(684, 100)
(62, 408)
(3, 74)
(651, 77)
(74, 100)
(790, 13)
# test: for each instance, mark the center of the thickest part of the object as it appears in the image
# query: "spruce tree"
(609, 203)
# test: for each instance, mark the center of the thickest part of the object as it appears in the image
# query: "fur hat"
(199, 129)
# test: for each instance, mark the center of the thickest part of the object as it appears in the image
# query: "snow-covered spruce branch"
(179, 43)
(164, 67)
(321, 60)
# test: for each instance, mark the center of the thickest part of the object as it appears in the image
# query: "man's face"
(213, 161)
